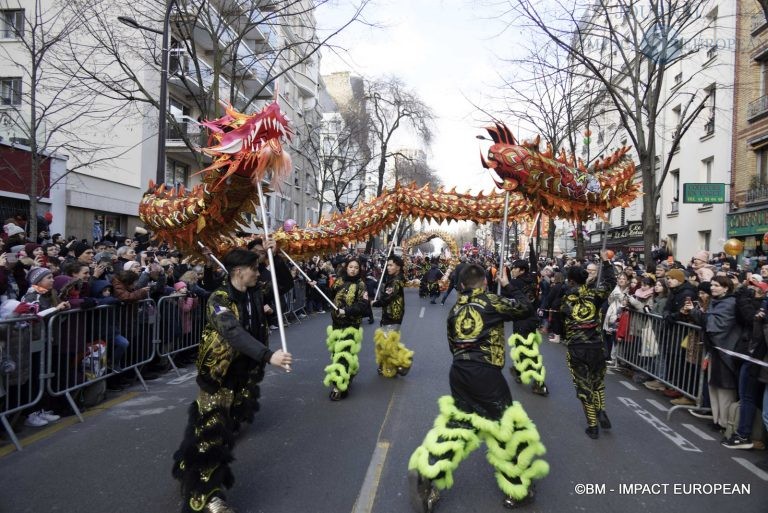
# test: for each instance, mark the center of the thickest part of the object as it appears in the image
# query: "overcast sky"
(443, 50)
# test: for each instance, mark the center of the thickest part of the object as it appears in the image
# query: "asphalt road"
(305, 453)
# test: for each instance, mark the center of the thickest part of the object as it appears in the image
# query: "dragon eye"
(490, 154)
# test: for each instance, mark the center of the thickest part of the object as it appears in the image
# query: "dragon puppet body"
(560, 186)
(248, 147)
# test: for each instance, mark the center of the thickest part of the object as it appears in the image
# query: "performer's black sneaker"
(337, 395)
(402, 371)
(379, 371)
(593, 432)
(217, 505)
(515, 375)
(424, 496)
(540, 389)
(512, 503)
(602, 417)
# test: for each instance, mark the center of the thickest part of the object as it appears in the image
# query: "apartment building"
(693, 129)
(238, 52)
(747, 219)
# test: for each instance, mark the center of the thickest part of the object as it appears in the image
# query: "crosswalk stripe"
(628, 385)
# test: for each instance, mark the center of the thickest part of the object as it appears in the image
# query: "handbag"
(622, 326)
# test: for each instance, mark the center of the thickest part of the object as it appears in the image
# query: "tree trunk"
(579, 240)
(650, 228)
(551, 239)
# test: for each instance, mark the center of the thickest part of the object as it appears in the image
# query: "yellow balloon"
(733, 247)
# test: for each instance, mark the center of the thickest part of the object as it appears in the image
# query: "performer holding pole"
(232, 356)
(345, 335)
(480, 407)
(503, 241)
(392, 357)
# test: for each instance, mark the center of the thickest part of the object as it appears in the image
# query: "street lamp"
(165, 57)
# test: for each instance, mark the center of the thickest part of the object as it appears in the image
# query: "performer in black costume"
(230, 364)
(527, 361)
(480, 407)
(586, 351)
(392, 357)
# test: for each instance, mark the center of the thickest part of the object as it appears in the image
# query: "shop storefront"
(621, 240)
(749, 227)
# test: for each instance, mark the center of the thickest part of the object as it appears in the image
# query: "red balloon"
(609, 254)
(765, 238)
(49, 217)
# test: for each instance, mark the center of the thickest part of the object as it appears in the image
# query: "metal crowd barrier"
(656, 348)
(22, 372)
(75, 349)
(88, 346)
(180, 325)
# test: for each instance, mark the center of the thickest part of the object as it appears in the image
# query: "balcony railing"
(757, 195)
(712, 52)
(757, 22)
(757, 107)
(709, 127)
(675, 207)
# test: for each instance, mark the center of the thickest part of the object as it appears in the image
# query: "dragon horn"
(510, 138)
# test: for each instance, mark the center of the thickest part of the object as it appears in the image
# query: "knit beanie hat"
(677, 274)
(179, 285)
(80, 248)
(12, 229)
(702, 255)
(127, 266)
(30, 248)
(36, 274)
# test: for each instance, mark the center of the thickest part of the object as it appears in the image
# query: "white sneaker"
(301, 316)
(48, 415)
(35, 420)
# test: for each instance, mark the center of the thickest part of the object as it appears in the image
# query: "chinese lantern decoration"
(765, 238)
(733, 247)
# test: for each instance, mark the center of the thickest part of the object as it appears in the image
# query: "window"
(675, 184)
(12, 24)
(10, 91)
(296, 209)
(707, 168)
(180, 113)
(763, 78)
(285, 206)
(762, 165)
(109, 222)
(709, 125)
(176, 173)
(704, 239)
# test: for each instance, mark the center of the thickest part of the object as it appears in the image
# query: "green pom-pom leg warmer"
(391, 354)
(526, 357)
(344, 345)
(448, 443)
(514, 446)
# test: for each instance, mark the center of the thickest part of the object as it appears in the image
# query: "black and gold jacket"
(580, 308)
(476, 324)
(235, 329)
(392, 300)
(350, 295)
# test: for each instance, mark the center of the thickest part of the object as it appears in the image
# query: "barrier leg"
(11, 434)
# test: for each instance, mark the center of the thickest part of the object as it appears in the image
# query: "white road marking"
(421, 313)
(183, 378)
(364, 502)
(656, 404)
(752, 468)
(701, 434)
(627, 384)
(662, 428)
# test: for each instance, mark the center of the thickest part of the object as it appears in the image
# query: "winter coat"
(721, 329)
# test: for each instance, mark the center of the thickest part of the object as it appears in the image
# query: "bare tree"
(44, 107)
(391, 106)
(337, 162)
(628, 48)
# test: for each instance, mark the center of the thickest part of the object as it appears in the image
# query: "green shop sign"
(747, 223)
(703, 193)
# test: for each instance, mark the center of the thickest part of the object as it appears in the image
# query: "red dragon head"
(250, 143)
(506, 158)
